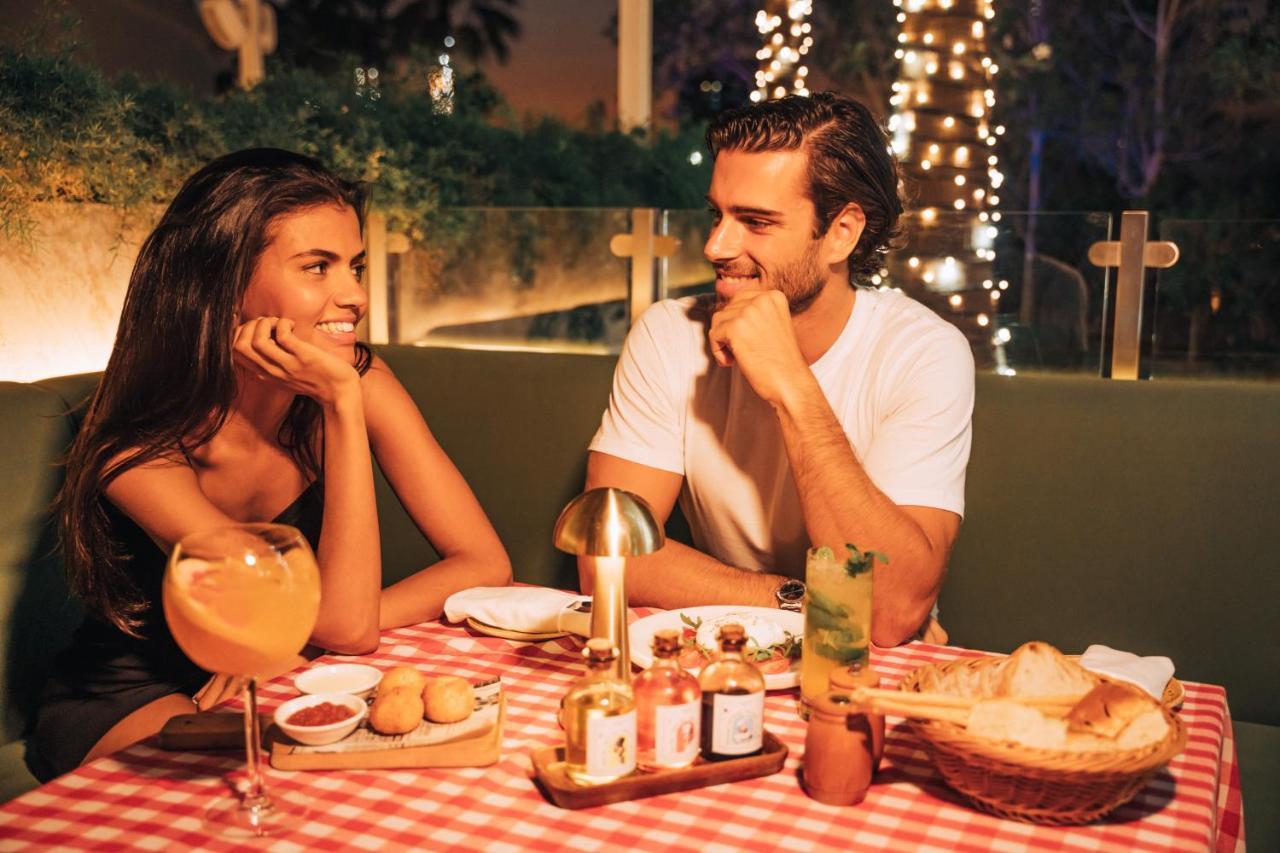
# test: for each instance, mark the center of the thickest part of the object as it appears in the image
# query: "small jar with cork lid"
(837, 751)
(845, 680)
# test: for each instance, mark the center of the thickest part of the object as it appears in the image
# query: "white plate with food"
(773, 638)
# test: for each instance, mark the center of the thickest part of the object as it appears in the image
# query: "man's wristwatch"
(790, 595)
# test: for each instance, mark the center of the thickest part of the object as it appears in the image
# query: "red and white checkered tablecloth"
(147, 798)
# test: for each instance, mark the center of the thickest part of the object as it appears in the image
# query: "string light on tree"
(788, 37)
(942, 134)
(440, 80)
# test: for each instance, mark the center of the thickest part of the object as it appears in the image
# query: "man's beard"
(801, 281)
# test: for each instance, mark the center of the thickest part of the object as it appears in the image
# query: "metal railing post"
(642, 246)
(379, 245)
(377, 327)
(1133, 255)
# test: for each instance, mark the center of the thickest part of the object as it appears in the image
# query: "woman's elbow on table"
(497, 570)
(344, 640)
(485, 565)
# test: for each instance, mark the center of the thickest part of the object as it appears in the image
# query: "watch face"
(791, 591)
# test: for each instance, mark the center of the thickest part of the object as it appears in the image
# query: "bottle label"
(675, 737)
(737, 723)
(611, 745)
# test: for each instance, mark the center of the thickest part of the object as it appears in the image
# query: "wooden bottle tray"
(549, 772)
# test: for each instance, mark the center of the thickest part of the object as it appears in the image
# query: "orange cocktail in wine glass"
(242, 600)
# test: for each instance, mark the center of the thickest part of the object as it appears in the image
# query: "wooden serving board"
(549, 772)
(477, 750)
(207, 730)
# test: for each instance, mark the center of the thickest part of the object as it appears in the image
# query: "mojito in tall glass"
(837, 615)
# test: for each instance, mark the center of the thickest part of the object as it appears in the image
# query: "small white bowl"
(320, 735)
(356, 679)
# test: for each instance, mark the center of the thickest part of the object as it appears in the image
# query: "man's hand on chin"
(754, 331)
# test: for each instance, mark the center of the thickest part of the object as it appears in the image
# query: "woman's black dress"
(105, 675)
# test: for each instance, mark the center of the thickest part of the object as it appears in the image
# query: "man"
(794, 407)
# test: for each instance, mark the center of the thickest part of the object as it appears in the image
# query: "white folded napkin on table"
(528, 609)
(1149, 673)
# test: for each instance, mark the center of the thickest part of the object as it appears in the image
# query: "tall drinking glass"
(837, 616)
(241, 601)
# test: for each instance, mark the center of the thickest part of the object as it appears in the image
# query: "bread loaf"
(1108, 708)
(1007, 720)
(1038, 669)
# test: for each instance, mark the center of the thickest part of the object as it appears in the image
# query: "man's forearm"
(842, 505)
(680, 576)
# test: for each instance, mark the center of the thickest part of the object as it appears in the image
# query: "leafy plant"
(68, 133)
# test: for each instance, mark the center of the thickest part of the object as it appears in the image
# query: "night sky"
(562, 62)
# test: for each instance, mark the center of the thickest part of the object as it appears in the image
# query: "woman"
(237, 392)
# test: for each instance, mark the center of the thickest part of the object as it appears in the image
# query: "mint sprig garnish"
(862, 561)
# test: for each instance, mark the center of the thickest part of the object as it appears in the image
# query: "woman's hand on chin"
(268, 349)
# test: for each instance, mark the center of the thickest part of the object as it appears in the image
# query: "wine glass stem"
(256, 796)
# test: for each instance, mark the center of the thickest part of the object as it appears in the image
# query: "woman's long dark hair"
(170, 382)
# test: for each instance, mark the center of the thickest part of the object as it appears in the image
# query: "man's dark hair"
(849, 161)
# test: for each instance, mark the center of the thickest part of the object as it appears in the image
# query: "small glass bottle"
(667, 708)
(732, 701)
(599, 720)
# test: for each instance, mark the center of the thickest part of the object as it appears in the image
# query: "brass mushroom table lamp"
(609, 525)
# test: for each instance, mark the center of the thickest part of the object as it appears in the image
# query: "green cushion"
(36, 613)
(15, 778)
(517, 425)
(1258, 751)
(1136, 514)
(74, 391)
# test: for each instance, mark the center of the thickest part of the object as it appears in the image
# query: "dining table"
(149, 798)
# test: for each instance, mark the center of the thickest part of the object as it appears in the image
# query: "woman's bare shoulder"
(150, 459)
(380, 383)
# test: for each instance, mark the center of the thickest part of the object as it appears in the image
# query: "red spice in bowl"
(324, 714)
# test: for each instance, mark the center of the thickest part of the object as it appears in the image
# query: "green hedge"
(69, 133)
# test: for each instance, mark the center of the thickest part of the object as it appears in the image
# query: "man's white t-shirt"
(899, 380)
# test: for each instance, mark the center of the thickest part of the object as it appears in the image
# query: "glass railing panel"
(1217, 310)
(547, 279)
(686, 272)
(524, 278)
(1018, 285)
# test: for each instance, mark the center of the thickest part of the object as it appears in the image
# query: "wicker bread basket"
(1036, 785)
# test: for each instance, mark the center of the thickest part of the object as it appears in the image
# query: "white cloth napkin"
(530, 609)
(1149, 673)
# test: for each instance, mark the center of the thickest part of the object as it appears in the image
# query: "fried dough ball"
(396, 712)
(448, 699)
(403, 676)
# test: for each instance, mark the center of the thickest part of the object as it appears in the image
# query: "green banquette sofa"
(1140, 515)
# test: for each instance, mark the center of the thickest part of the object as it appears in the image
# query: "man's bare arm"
(677, 575)
(841, 504)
